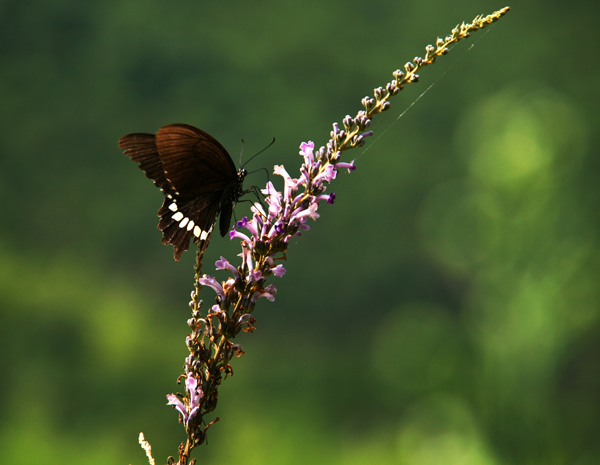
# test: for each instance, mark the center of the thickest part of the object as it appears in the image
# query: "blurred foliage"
(444, 311)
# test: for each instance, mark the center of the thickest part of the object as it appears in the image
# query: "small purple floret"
(223, 264)
(194, 396)
(349, 166)
(306, 150)
(325, 176)
(235, 233)
(278, 271)
(268, 292)
(179, 406)
(212, 282)
(279, 229)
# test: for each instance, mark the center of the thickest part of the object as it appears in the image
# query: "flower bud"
(399, 75)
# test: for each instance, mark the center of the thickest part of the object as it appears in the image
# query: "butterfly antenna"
(242, 151)
(254, 189)
(256, 154)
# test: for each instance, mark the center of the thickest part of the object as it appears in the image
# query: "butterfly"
(198, 178)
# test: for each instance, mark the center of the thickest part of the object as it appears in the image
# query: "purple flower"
(278, 271)
(274, 195)
(180, 406)
(235, 233)
(246, 255)
(349, 166)
(279, 229)
(306, 150)
(249, 225)
(191, 404)
(359, 139)
(254, 275)
(212, 282)
(223, 264)
(268, 292)
(289, 183)
(310, 212)
(217, 310)
(327, 175)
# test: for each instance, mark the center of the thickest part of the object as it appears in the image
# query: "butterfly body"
(197, 176)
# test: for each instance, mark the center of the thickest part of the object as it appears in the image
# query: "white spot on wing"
(184, 222)
(189, 226)
(204, 235)
(177, 216)
(173, 207)
(197, 231)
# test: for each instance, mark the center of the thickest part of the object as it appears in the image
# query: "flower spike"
(265, 239)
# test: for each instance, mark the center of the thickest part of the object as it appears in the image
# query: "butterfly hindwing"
(185, 219)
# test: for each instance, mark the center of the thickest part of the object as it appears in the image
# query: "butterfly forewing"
(141, 148)
(198, 178)
(194, 161)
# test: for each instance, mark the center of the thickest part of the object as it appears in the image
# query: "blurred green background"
(444, 311)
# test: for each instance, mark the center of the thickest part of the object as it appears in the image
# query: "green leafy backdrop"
(444, 311)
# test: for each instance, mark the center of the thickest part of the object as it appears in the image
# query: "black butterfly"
(197, 176)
